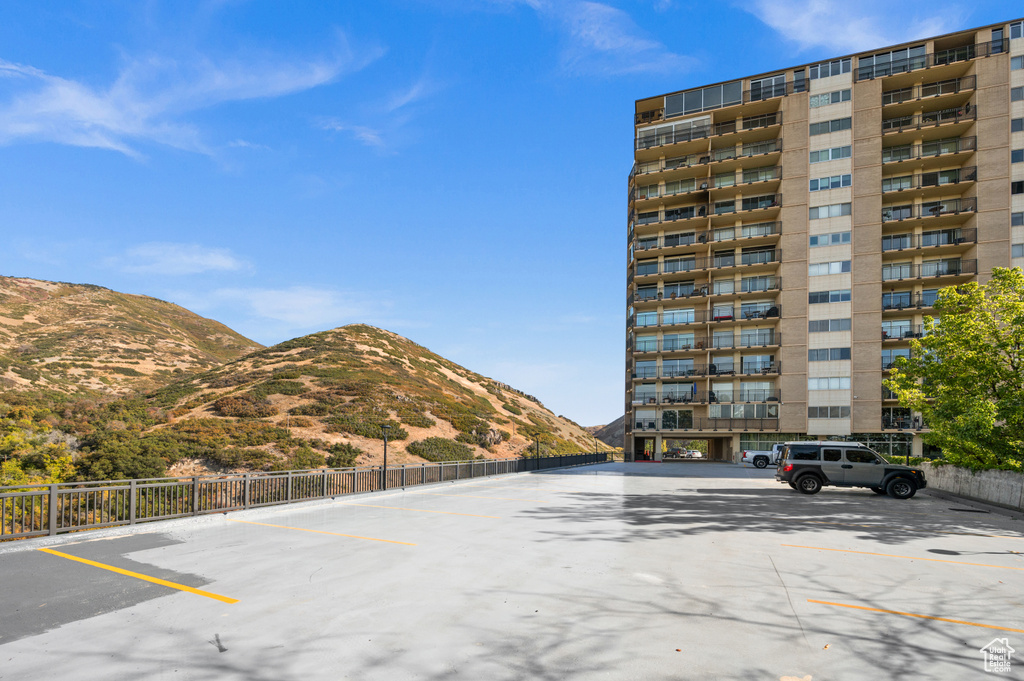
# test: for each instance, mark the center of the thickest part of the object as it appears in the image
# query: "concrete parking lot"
(615, 571)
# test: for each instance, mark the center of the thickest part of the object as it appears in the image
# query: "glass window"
(823, 268)
(1017, 125)
(829, 68)
(1017, 251)
(830, 154)
(1017, 187)
(1017, 63)
(831, 126)
(833, 182)
(1015, 29)
(832, 211)
(1017, 156)
(829, 383)
(1016, 94)
(832, 239)
(860, 456)
(1016, 219)
(830, 454)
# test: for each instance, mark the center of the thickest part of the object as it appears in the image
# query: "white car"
(694, 454)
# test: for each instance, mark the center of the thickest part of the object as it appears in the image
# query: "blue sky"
(454, 171)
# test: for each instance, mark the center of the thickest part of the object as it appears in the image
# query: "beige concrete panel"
(867, 123)
(867, 179)
(867, 355)
(793, 417)
(993, 138)
(867, 327)
(795, 162)
(992, 71)
(795, 108)
(794, 132)
(794, 189)
(867, 297)
(993, 254)
(867, 413)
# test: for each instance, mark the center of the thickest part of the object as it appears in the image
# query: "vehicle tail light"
(787, 468)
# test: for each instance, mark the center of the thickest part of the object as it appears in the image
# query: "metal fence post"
(323, 489)
(195, 495)
(53, 509)
(247, 492)
(132, 491)
(403, 476)
(289, 486)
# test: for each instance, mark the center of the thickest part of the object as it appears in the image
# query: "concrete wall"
(1000, 488)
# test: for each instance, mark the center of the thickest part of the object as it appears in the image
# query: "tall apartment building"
(789, 231)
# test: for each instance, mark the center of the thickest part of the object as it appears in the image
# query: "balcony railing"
(746, 151)
(903, 332)
(677, 265)
(889, 363)
(932, 179)
(658, 139)
(721, 314)
(761, 339)
(760, 367)
(908, 64)
(936, 89)
(944, 268)
(913, 152)
(706, 425)
(930, 209)
(689, 370)
(902, 242)
(930, 118)
(645, 117)
(907, 300)
(723, 128)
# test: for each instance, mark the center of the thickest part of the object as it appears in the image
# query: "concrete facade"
(788, 233)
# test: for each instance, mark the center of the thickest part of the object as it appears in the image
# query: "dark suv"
(807, 467)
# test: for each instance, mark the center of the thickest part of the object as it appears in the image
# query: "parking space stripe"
(336, 534)
(890, 555)
(911, 614)
(145, 578)
(424, 510)
(902, 529)
(470, 496)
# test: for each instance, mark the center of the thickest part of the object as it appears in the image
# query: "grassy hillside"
(88, 340)
(312, 401)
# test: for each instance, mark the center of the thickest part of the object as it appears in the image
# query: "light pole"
(384, 470)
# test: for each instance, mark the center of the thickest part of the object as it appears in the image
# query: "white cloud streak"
(150, 98)
(851, 27)
(393, 115)
(177, 259)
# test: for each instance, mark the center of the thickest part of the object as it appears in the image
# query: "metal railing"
(906, 300)
(926, 90)
(708, 424)
(930, 118)
(903, 332)
(746, 340)
(37, 510)
(930, 209)
(647, 141)
(943, 268)
(752, 231)
(931, 179)
(689, 370)
(950, 56)
(913, 152)
(676, 265)
(902, 242)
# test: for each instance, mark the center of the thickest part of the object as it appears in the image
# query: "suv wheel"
(760, 462)
(901, 488)
(809, 484)
(878, 490)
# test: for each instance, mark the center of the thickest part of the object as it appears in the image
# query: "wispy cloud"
(600, 39)
(392, 115)
(149, 100)
(851, 27)
(176, 259)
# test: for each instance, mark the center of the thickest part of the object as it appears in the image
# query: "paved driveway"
(616, 571)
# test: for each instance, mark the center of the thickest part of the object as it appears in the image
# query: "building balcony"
(903, 423)
(908, 300)
(927, 184)
(766, 232)
(889, 363)
(691, 370)
(732, 157)
(746, 313)
(951, 150)
(763, 338)
(947, 239)
(687, 265)
(942, 268)
(902, 333)
(929, 209)
(941, 88)
(966, 114)
(927, 61)
(708, 425)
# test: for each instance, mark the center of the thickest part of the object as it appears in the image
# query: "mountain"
(326, 396)
(611, 434)
(83, 339)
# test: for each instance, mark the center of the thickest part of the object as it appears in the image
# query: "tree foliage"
(966, 375)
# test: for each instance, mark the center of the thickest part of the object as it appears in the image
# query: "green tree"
(966, 375)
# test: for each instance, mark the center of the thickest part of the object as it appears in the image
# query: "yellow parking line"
(423, 510)
(470, 496)
(145, 578)
(903, 529)
(336, 534)
(890, 555)
(911, 614)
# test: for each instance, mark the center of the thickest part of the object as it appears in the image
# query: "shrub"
(315, 409)
(343, 455)
(353, 423)
(244, 406)
(440, 449)
(305, 458)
